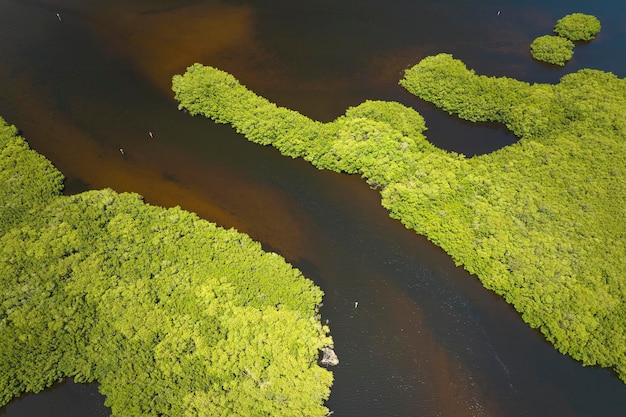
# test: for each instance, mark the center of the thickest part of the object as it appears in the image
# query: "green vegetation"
(559, 49)
(540, 222)
(552, 49)
(27, 179)
(172, 315)
(578, 27)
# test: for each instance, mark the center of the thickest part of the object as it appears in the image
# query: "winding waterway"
(426, 339)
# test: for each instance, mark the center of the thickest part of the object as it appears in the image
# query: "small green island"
(578, 27)
(540, 222)
(558, 49)
(552, 49)
(170, 314)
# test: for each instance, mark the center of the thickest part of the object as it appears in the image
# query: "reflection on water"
(426, 339)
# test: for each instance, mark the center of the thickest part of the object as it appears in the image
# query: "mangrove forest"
(170, 314)
(540, 222)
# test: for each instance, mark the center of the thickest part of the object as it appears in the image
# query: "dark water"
(426, 338)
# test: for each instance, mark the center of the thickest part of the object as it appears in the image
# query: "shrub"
(552, 49)
(578, 27)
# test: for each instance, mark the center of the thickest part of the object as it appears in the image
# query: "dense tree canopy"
(578, 27)
(552, 49)
(559, 49)
(27, 179)
(540, 222)
(172, 315)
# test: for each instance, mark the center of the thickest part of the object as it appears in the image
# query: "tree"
(540, 222)
(578, 27)
(552, 49)
(171, 314)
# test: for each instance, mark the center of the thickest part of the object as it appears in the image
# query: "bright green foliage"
(559, 49)
(578, 27)
(365, 140)
(34, 184)
(540, 222)
(552, 49)
(172, 315)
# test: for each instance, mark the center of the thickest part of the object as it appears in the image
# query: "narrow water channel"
(425, 339)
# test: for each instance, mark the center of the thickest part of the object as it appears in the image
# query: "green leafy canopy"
(559, 49)
(540, 222)
(171, 314)
(552, 49)
(578, 27)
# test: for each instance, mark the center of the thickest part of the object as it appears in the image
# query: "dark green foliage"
(578, 27)
(172, 315)
(552, 49)
(540, 222)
